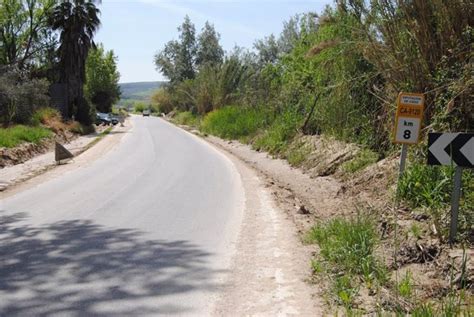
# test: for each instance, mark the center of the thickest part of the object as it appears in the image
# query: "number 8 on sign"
(408, 130)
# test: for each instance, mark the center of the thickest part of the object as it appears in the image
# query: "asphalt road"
(147, 229)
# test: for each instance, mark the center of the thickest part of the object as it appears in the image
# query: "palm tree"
(77, 20)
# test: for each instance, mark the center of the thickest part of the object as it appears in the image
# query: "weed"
(426, 185)
(13, 136)
(423, 310)
(345, 290)
(453, 305)
(430, 187)
(363, 159)
(349, 245)
(415, 230)
(317, 266)
(405, 287)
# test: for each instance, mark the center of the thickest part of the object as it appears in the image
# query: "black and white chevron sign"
(455, 149)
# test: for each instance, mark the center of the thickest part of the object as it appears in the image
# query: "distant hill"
(140, 91)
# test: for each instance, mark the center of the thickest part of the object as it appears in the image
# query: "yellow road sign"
(408, 118)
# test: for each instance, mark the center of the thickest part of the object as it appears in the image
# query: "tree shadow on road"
(81, 268)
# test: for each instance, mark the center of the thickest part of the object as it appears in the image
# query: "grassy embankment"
(13, 136)
(44, 123)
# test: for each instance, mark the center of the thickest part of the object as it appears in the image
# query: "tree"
(177, 60)
(267, 49)
(77, 20)
(20, 96)
(102, 79)
(24, 31)
(209, 51)
(295, 29)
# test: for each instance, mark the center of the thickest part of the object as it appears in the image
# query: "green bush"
(277, 137)
(139, 106)
(234, 122)
(44, 115)
(13, 136)
(430, 187)
(348, 245)
(186, 118)
(426, 186)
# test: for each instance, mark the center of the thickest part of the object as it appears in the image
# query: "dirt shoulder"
(43, 167)
(270, 271)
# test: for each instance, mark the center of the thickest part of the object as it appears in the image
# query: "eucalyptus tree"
(77, 21)
(209, 51)
(177, 60)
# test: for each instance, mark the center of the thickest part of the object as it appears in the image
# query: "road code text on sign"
(408, 119)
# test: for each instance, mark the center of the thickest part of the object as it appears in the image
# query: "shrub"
(139, 106)
(276, 138)
(162, 101)
(19, 96)
(45, 115)
(186, 118)
(13, 136)
(234, 122)
(81, 129)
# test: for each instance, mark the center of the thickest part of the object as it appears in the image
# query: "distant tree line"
(44, 42)
(337, 72)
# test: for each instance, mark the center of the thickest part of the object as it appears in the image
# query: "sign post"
(453, 149)
(408, 123)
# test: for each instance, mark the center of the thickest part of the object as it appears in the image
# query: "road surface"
(149, 228)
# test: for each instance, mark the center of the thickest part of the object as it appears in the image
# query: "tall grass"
(233, 122)
(186, 118)
(45, 115)
(430, 188)
(13, 136)
(348, 245)
(279, 134)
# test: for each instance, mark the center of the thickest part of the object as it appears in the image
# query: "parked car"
(146, 113)
(106, 119)
(103, 118)
(114, 118)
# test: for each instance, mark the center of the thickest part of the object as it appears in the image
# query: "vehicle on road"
(146, 113)
(106, 119)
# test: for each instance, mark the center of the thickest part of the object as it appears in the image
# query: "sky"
(136, 29)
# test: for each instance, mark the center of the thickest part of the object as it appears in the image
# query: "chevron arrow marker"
(468, 150)
(438, 148)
